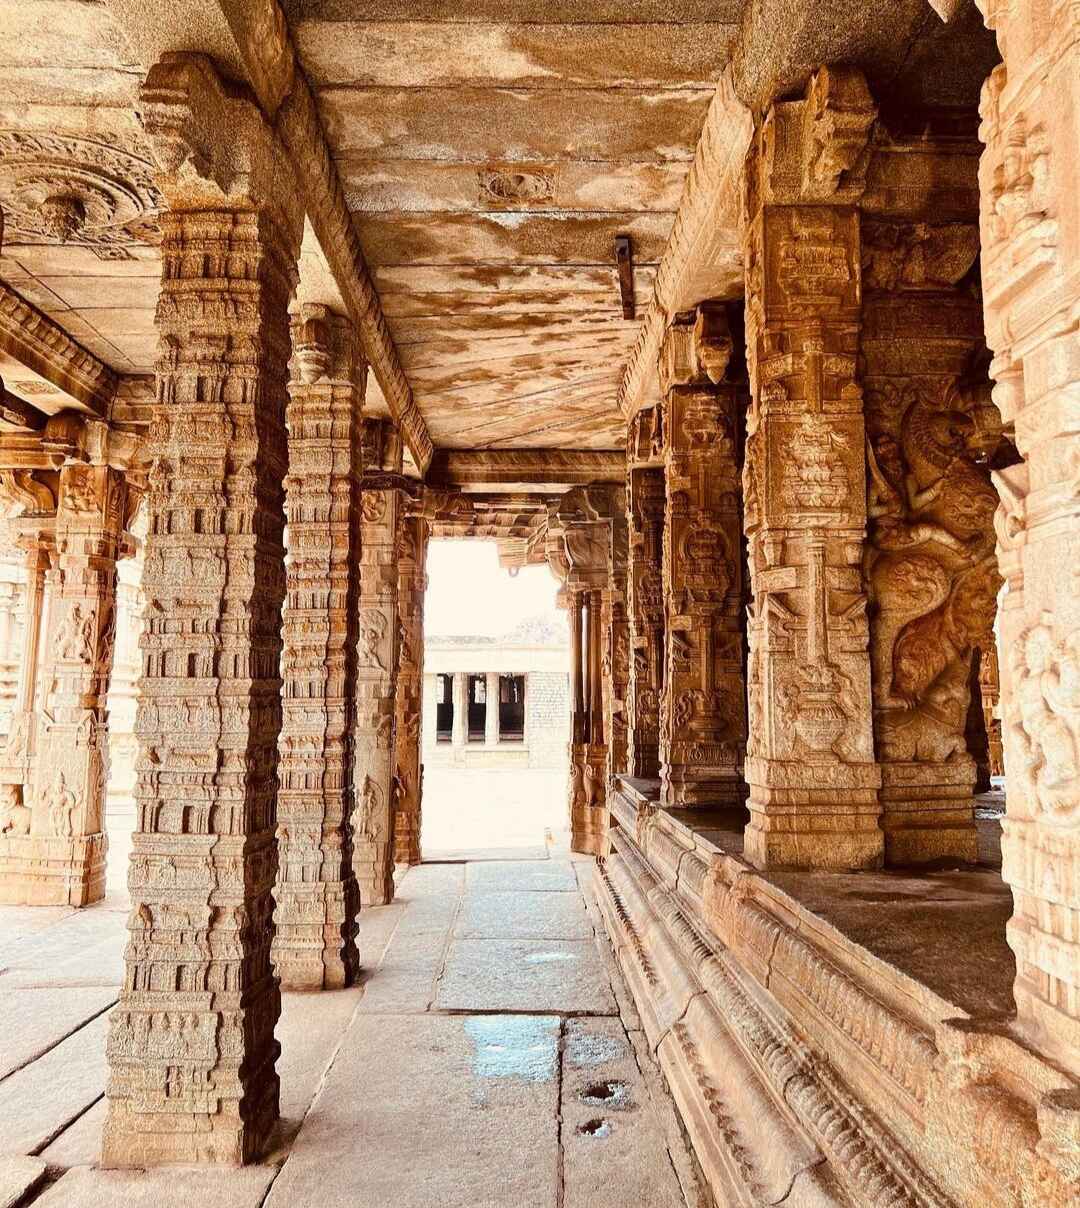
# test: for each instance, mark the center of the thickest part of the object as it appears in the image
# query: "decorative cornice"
(704, 250)
(37, 342)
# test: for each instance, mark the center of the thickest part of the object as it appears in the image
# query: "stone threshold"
(824, 1032)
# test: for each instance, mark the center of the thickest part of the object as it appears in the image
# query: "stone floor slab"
(36, 1020)
(614, 1145)
(80, 1144)
(309, 1031)
(514, 876)
(406, 979)
(565, 976)
(18, 1177)
(526, 914)
(37, 1102)
(432, 880)
(463, 855)
(453, 1112)
(172, 1187)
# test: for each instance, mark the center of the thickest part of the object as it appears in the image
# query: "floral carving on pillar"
(1029, 179)
(810, 762)
(703, 713)
(409, 772)
(316, 893)
(378, 642)
(191, 1046)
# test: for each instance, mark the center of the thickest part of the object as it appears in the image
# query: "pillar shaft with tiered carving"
(1029, 181)
(645, 592)
(316, 893)
(810, 762)
(408, 782)
(376, 666)
(703, 712)
(191, 1046)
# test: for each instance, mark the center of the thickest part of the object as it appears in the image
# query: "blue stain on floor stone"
(514, 1046)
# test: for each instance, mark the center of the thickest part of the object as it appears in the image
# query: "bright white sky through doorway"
(469, 593)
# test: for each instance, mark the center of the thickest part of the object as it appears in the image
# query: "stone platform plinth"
(49, 870)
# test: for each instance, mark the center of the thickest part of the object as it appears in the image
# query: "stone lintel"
(547, 471)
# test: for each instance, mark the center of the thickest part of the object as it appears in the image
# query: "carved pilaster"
(376, 678)
(931, 573)
(703, 712)
(810, 760)
(409, 774)
(1029, 180)
(316, 893)
(645, 517)
(191, 1047)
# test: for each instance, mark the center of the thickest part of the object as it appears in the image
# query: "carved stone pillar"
(703, 713)
(615, 650)
(19, 747)
(1030, 220)
(930, 569)
(810, 760)
(191, 1046)
(376, 676)
(409, 776)
(65, 750)
(580, 553)
(316, 893)
(645, 604)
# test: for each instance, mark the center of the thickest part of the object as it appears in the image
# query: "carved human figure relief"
(372, 632)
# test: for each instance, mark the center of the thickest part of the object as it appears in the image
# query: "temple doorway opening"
(496, 708)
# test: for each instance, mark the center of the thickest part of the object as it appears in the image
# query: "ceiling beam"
(528, 471)
(249, 40)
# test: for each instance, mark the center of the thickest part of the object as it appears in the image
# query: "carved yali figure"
(1046, 675)
(930, 563)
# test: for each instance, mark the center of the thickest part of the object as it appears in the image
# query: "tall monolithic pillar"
(72, 748)
(810, 760)
(615, 648)
(645, 593)
(376, 669)
(491, 709)
(409, 774)
(703, 712)
(191, 1047)
(317, 895)
(64, 749)
(583, 523)
(931, 573)
(1030, 219)
(17, 756)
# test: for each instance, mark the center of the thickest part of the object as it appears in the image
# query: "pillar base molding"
(51, 870)
(928, 813)
(310, 950)
(692, 786)
(588, 798)
(814, 815)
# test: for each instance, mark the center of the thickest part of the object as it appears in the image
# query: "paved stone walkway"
(492, 1058)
